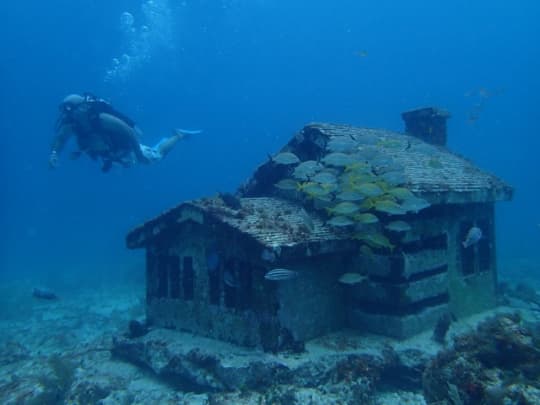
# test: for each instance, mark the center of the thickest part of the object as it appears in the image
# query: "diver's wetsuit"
(103, 132)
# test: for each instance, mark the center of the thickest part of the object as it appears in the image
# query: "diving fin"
(186, 133)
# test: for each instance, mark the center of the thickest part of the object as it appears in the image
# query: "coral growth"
(499, 360)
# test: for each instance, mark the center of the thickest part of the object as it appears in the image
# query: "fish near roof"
(430, 171)
(272, 223)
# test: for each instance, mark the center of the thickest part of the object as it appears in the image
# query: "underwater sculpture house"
(370, 222)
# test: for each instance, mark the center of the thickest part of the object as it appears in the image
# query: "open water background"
(249, 73)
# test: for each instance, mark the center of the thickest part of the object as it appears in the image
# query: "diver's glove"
(53, 160)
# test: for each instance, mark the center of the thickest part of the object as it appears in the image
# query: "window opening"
(477, 257)
(151, 275)
(174, 276)
(230, 283)
(245, 286)
(213, 268)
(434, 242)
(188, 278)
(485, 247)
(162, 282)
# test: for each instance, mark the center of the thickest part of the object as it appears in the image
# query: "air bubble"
(126, 19)
(142, 39)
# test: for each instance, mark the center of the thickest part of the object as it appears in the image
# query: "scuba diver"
(106, 134)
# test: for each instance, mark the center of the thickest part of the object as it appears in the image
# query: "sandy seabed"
(56, 352)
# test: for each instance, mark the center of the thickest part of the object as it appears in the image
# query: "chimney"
(428, 124)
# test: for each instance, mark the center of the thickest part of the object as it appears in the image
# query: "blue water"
(249, 73)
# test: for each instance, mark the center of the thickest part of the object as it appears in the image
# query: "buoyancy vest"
(98, 106)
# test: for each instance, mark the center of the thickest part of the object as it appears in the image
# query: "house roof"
(430, 171)
(278, 225)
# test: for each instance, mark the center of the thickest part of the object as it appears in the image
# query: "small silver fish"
(352, 278)
(350, 196)
(345, 208)
(366, 218)
(473, 236)
(324, 178)
(369, 190)
(367, 152)
(398, 226)
(394, 178)
(286, 184)
(280, 275)
(286, 158)
(338, 159)
(341, 144)
(340, 221)
(306, 169)
(415, 204)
